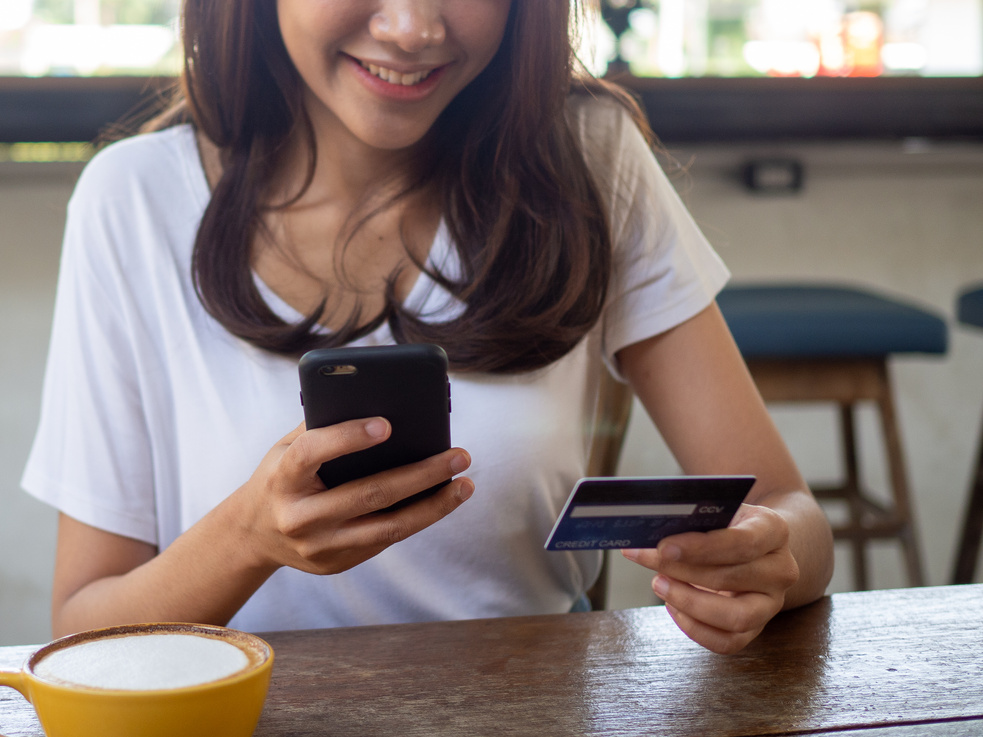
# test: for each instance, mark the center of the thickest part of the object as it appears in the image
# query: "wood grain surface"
(898, 663)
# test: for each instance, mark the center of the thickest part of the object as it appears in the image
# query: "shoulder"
(154, 166)
(619, 155)
(137, 201)
(143, 152)
(616, 149)
(602, 116)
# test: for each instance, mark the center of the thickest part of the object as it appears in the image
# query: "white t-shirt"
(152, 413)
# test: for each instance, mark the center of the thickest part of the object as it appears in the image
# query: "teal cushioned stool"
(969, 310)
(830, 344)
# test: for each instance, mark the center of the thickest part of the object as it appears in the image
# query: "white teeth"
(394, 77)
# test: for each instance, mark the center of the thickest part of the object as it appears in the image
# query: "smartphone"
(407, 384)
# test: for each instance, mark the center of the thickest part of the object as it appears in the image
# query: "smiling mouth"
(393, 77)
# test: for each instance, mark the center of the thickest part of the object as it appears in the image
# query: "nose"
(412, 25)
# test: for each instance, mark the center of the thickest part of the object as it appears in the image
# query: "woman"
(369, 172)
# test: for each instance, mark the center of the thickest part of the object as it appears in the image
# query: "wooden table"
(900, 663)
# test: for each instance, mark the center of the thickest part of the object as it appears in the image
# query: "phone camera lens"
(337, 370)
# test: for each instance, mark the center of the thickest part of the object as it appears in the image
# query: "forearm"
(205, 576)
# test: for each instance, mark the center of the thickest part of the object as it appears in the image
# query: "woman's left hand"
(722, 587)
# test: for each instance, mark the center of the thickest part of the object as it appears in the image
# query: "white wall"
(908, 223)
(32, 205)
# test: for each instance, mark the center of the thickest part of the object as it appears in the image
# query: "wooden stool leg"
(847, 382)
(969, 543)
(851, 491)
(899, 485)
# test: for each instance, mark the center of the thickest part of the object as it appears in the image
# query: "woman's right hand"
(282, 516)
(295, 522)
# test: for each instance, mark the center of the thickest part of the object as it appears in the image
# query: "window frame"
(693, 110)
(75, 109)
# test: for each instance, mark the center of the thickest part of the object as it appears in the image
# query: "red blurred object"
(854, 48)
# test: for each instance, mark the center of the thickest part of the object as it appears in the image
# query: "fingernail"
(377, 427)
(460, 463)
(671, 552)
(630, 553)
(660, 585)
(465, 490)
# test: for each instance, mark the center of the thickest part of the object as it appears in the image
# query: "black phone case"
(407, 384)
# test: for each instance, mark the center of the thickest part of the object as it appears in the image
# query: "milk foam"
(143, 662)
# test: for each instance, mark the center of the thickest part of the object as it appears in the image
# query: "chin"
(393, 141)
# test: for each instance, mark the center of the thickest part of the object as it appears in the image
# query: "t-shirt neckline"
(419, 295)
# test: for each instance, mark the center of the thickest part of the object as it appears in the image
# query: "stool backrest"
(614, 402)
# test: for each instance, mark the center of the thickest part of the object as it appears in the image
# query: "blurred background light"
(835, 38)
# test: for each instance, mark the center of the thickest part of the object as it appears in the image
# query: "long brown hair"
(519, 202)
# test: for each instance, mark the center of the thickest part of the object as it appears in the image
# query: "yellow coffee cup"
(104, 682)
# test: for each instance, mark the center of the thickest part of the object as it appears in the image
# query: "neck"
(346, 170)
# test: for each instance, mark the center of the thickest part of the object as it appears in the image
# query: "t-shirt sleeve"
(90, 458)
(664, 269)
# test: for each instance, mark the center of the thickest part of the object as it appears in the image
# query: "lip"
(397, 91)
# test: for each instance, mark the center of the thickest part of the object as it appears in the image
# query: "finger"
(293, 434)
(332, 549)
(713, 639)
(690, 550)
(755, 532)
(309, 449)
(375, 532)
(381, 490)
(771, 574)
(737, 614)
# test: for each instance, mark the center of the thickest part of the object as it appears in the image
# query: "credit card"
(637, 512)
